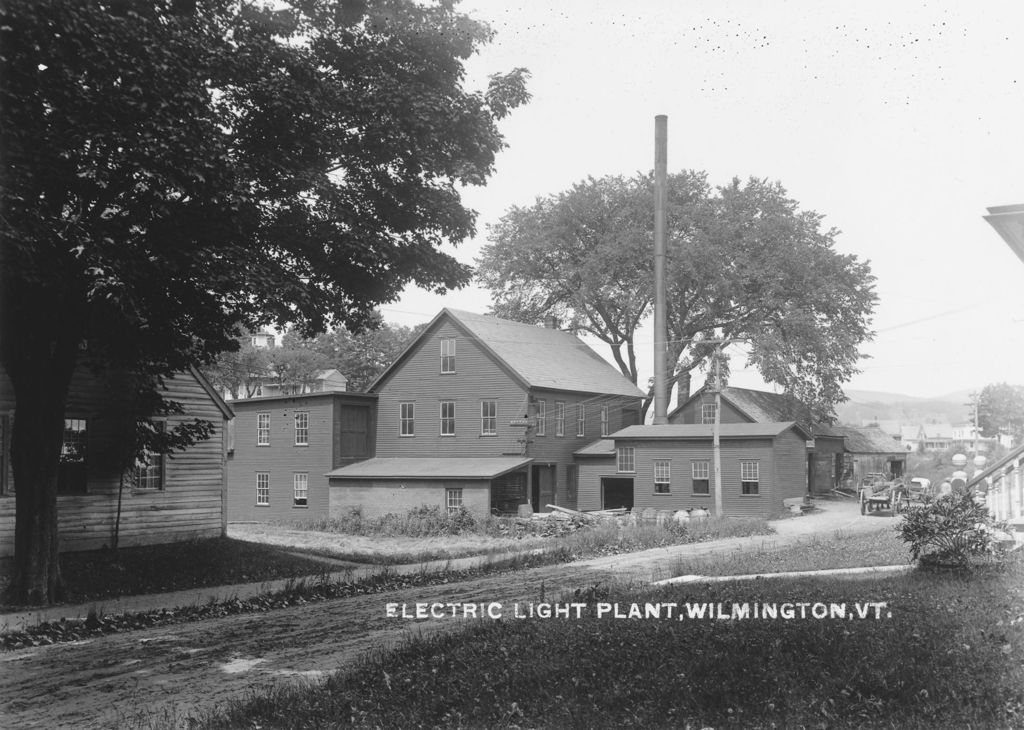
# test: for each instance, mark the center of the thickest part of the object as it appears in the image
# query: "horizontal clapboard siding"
(191, 503)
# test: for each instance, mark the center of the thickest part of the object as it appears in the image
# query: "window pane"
(263, 429)
(300, 484)
(302, 429)
(453, 499)
(262, 488)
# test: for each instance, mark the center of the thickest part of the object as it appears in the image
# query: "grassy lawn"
(841, 550)
(98, 574)
(946, 652)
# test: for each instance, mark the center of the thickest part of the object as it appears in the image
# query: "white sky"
(899, 122)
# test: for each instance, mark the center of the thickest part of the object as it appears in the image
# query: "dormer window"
(447, 354)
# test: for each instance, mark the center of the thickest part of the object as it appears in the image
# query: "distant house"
(870, 450)
(263, 339)
(935, 436)
(284, 446)
(670, 467)
(485, 413)
(325, 381)
(743, 405)
(177, 496)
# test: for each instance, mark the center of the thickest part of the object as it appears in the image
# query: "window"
(559, 418)
(604, 421)
(300, 489)
(662, 476)
(488, 418)
(542, 418)
(406, 419)
(71, 476)
(749, 473)
(581, 420)
(447, 354)
(149, 469)
(302, 428)
(453, 500)
(263, 429)
(707, 413)
(701, 471)
(262, 488)
(447, 418)
(626, 459)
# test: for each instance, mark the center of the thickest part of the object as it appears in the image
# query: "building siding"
(377, 497)
(282, 458)
(190, 505)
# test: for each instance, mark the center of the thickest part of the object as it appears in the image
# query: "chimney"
(552, 322)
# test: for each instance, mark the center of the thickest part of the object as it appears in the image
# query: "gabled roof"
(601, 447)
(538, 357)
(763, 407)
(869, 440)
(480, 467)
(218, 401)
(697, 431)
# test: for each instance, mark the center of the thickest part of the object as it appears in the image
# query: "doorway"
(616, 492)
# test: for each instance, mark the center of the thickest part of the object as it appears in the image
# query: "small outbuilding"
(870, 450)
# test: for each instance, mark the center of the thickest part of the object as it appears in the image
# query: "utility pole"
(660, 235)
(716, 446)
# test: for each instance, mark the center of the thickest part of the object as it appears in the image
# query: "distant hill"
(867, 405)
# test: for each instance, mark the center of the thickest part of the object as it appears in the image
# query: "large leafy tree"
(744, 263)
(1001, 410)
(176, 171)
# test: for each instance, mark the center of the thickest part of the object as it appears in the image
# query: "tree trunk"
(40, 376)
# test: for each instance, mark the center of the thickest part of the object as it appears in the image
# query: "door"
(542, 490)
(616, 492)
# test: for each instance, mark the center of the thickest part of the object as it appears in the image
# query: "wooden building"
(285, 445)
(178, 496)
(870, 450)
(742, 405)
(670, 467)
(474, 391)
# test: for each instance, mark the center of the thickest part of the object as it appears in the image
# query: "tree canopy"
(176, 171)
(744, 263)
(1001, 411)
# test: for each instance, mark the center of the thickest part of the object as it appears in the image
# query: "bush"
(948, 530)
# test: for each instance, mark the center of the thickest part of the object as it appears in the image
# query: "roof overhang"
(483, 467)
(1008, 220)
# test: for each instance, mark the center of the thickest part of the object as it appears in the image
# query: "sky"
(900, 123)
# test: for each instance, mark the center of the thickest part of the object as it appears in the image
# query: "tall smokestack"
(660, 328)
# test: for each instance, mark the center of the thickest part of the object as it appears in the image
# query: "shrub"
(948, 530)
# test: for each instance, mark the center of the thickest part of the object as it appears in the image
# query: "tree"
(1001, 410)
(239, 372)
(177, 171)
(744, 263)
(364, 355)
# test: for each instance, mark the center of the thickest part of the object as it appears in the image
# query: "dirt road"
(176, 671)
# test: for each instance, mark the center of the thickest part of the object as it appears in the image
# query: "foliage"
(948, 530)
(178, 172)
(1001, 410)
(743, 262)
(961, 637)
(239, 371)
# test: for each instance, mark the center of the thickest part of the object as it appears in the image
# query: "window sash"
(262, 488)
(263, 429)
(662, 476)
(750, 478)
(488, 418)
(453, 499)
(447, 418)
(559, 418)
(707, 414)
(300, 489)
(302, 429)
(72, 475)
(447, 354)
(581, 420)
(604, 421)
(626, 459)
(406, 419)
(542, 418)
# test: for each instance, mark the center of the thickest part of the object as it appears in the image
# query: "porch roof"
(481, 467)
